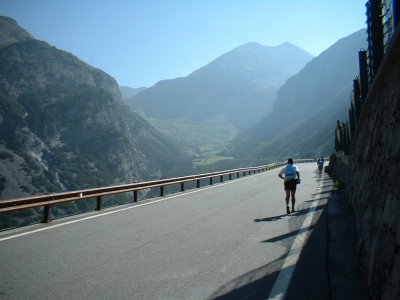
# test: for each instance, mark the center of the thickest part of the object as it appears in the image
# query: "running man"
(291, 172)
(320, 165)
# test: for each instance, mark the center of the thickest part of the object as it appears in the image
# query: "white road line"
(126, 208)
(285, 275)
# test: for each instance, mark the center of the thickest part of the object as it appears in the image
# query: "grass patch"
(208, 160)
(338, 184)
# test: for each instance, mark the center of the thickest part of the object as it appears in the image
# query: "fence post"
(198, 183)
(347, 137)
(363, 65)
(222, 178)
(357, 100)
(211, 181)
(352, 121)
(135, 196)
(375, 31)
(230, 176)
(182, 186)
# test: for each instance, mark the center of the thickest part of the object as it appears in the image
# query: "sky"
(140, 42)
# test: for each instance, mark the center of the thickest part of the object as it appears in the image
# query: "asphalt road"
(232, 240)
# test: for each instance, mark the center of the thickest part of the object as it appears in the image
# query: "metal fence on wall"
(382, 20)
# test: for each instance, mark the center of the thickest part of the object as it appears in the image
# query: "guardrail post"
(230, 176)
(182, 186)
(98, 203)
(222, 178)
(211, 181)
(162, 191)
(198, 183)
(244, 173)
(46, 214)
(135, 196)
(237, 175)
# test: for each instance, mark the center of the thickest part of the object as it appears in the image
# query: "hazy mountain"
(307, 107)
(238, 87)
(64, 126)
(128, 92)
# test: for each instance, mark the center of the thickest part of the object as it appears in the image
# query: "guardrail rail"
(51, 199)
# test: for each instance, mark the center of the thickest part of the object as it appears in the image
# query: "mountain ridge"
(241, 82)
(320, 91)
(11, 33)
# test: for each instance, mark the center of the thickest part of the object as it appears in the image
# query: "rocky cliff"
(64, 126)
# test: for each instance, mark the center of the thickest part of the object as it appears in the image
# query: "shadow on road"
(256, 284)
(310, 276)
(280, 217)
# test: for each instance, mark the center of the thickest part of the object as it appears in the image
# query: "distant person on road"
(320, 164)
(291, 177)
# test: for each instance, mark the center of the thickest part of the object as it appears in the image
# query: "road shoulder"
(346, 281)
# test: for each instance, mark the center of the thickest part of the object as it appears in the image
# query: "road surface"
(231, 240)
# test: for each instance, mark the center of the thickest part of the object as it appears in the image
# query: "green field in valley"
(203, 139)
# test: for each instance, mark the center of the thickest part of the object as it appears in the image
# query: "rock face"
(64, 126)
(372, 185)
(11, 33)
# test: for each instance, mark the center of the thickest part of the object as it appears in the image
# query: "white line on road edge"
(282, 282)
(126, 208)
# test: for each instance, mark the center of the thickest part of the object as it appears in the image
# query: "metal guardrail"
(50, 199)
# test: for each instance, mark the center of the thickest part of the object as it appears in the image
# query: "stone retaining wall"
(373, 181)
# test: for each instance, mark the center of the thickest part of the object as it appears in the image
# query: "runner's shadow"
(270, 219)
(277, 218)
(285, 236)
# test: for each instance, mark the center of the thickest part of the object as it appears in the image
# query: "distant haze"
(142, 42)
(128, 92)
(238, 87)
